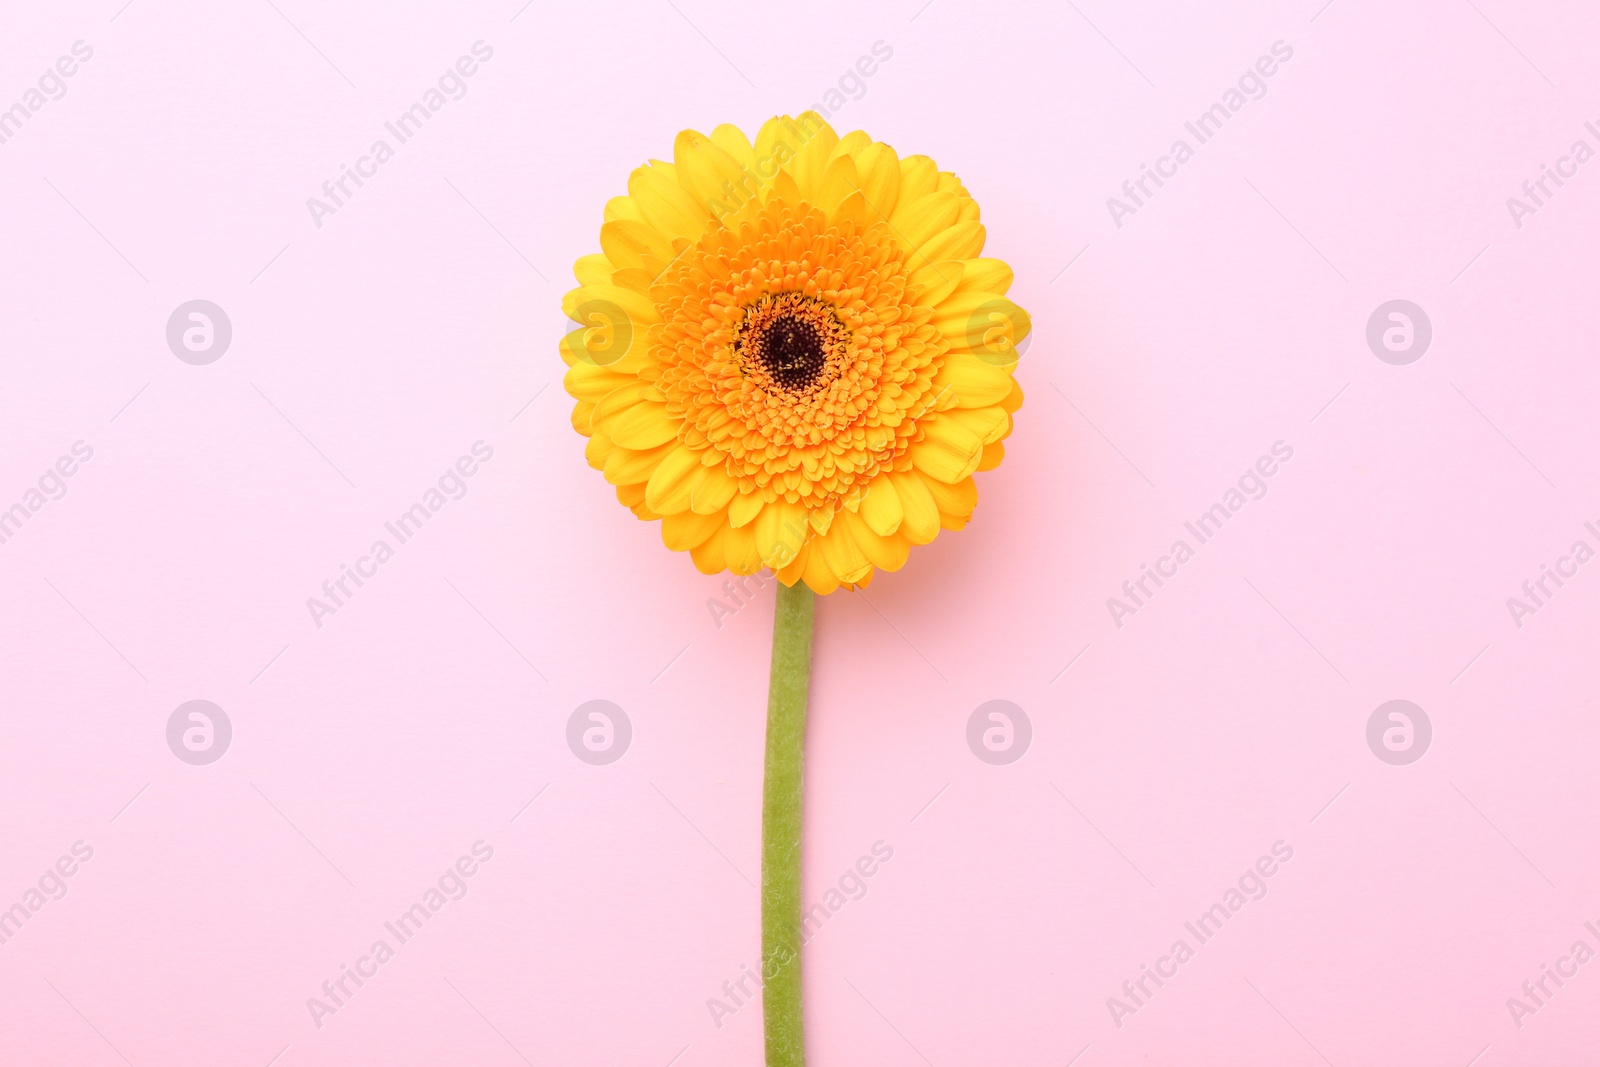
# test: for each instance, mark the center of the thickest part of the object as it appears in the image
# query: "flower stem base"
(781, 823)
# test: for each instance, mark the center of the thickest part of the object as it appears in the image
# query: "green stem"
(780, 826)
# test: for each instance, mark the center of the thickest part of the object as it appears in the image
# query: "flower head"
(792, 352)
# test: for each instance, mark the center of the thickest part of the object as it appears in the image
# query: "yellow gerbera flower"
(792, 352)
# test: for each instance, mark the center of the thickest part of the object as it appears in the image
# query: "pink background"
(1229, 713)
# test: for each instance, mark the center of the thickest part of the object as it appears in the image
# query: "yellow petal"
(988, 424)
(817, 574)
(642, 425)
(581, 411)
(949, 452)
(620, 351)
(783, 188)
(622, 207)
(839, 180)
(776, 144)
(921, 219)
(665, 203)
(585, 381)
(639, 278)
(732, 140)
(708, 555)
(628, 243)
(809, 163)
(596, 451)
(887, 553)
(745, 506)
(624, 466)
(992, 455)
(739, 544)
(921, 522)
(880, 507)
(570, 347)
(937, 281)
(974, 382)
(595, 305)
(668, 489)
(849, 145)
(780, 531)
(879, 169)
(708, 173)
(1013, 400)
(593, 269)
(624, 397)
(963, 240)
(919, 176)
(685, 530)
(852, 209)
(988, 325)
(796, 568)
(986, 276)
(711, 491)
(844, 557)
(955, 501)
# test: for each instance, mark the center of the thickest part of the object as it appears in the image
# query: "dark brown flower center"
(787, 338)
(791, 351)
